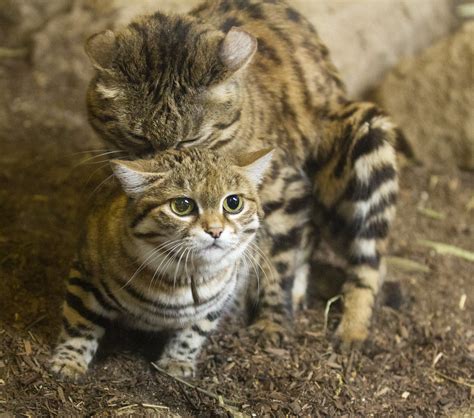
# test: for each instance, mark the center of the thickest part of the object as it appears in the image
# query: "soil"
(417, 362)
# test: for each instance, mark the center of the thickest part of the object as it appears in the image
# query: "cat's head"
(167, 82)
(194, 201)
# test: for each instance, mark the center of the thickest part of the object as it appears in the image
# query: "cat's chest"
(171, 307)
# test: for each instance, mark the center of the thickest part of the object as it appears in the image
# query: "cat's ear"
(135, 176)
(237, 49)
(255, 164)
(101, 49)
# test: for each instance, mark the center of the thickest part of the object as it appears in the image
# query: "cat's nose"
(215, 232)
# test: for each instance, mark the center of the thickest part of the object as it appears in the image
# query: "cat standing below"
(168, 251)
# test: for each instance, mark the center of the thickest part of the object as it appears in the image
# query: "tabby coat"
(245, 74)
(170, 253)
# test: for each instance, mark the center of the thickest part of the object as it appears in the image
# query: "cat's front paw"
(67, 367)
(178, 368)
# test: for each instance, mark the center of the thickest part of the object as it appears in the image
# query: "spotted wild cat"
(245, 74)
(168, 251)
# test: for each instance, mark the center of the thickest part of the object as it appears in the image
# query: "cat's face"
(167, 82)
(194, 203)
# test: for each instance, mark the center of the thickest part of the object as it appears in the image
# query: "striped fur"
(143, 265)
(247, 74)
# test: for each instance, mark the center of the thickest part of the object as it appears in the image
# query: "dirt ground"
(418, 362)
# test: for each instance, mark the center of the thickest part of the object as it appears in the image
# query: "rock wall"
(432, 98)
(367, 38)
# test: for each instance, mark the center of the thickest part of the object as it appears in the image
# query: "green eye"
(233, 204)
(182, 206)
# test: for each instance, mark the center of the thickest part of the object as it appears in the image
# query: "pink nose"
(215, 232)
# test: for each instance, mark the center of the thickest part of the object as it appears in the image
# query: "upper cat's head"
(194, 198)
(167, 82)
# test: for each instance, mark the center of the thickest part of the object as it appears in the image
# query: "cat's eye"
(233, 204)
(182, 206)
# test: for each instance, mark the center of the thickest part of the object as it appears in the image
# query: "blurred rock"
(367, 38)
(432, 98)
(20, 18)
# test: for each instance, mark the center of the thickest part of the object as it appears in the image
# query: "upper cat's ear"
(101, 49)
(237, 49)
(255, 164)
(135, 176)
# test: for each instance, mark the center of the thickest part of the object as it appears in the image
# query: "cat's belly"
(179, 312)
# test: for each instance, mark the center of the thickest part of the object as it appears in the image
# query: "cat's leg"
(86, 314)
(356, 190)
(308, 243)
(181, 351)
(287, 205)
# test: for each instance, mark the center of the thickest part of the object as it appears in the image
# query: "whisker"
(263, 257)
(177, 267)
(186, 273)
(247, 258)
(172, 256)
(91, 151)
(167, 253)
(161, 246)
(142, 266)
(260, 266)
(95, 171)
(100, 185)
(94, 157)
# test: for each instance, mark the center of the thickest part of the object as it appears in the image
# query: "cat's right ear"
(134, 176)
(255, 164)
(237, 49)
(101, 49)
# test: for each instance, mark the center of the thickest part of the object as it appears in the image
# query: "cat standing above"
(166, 252)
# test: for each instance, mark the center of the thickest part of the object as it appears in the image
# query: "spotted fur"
(245, 74)
(142, 264)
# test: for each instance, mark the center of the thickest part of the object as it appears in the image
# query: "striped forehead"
(208, 181)
(210, 190)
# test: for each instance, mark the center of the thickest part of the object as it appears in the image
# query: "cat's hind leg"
(356, 190)
(86, 315)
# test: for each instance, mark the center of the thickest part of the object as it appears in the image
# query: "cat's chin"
(212, 252)
(215, 255)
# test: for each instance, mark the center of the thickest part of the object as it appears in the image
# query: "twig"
(453, 379)
(328, 307)
(442, 248)
(13, 52)
(36, 321)
(190, 401)
(348, 369)
(406, 264)
(152, 406)
(218, 398)
(431, 213)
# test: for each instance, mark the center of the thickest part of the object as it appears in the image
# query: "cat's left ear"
(255, 164)
(135, 176)
(101, 49)
(237, 49)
